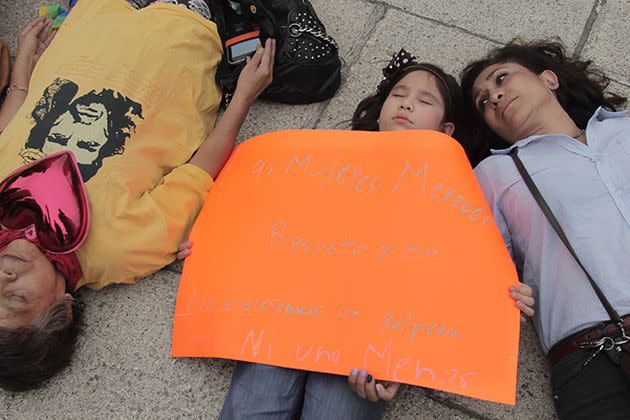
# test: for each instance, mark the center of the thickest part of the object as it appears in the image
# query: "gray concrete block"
(347, 21)
(501, 21)
(419, 403)
(608, 43)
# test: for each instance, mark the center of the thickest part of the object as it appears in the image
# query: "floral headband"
(401, 61)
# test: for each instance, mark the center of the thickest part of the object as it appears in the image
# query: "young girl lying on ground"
(411, 96)
(536, 103)
(136, 108)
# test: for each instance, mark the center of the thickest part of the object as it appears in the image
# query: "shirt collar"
(520, 143)
(600, 114)
(603, 114)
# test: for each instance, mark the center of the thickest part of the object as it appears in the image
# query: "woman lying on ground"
(551, 111)
(136, 108)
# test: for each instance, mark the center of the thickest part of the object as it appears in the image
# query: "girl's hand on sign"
(257, 73)
(523, 298)
(366, 387)
(184, 250)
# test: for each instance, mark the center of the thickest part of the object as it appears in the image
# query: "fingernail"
(355, 371)
(364, 373)
(369, 379)
(379, 387)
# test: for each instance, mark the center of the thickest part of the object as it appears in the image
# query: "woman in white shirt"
(534, 100)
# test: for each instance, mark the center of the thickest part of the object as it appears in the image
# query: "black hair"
(59, 98)
(581, 91)
(366, 115)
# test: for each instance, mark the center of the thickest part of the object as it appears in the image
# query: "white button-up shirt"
(587, 186)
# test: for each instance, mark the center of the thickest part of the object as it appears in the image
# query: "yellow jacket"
(132, 93)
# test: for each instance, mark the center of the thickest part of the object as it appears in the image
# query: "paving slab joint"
(452, 405)
(377, 15)
(621, 82)
(435, 21)
(588, 27)
(353, 54)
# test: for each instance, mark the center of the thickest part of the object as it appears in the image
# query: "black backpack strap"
(556, 226)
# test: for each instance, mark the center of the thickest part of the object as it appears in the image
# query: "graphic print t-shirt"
(132, 94)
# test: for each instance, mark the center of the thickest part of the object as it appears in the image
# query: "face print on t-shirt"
(94, 126)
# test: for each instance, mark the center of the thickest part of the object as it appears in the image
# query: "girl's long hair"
(366, 115)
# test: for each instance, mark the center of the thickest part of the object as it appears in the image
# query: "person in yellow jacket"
(129, 89)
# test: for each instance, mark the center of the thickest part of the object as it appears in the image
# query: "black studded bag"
(307, 67)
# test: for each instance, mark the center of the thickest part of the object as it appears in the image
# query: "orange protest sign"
(333, 250)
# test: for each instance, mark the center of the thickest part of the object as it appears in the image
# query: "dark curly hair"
(581, 91)
(32, 354)
(59, 98)
(366, 115)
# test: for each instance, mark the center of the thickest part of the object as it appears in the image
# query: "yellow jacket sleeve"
(179, 197)
(159, 220)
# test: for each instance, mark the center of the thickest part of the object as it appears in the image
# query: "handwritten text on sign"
(330, 250)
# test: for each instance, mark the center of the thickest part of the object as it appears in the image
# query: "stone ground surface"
(123, 368)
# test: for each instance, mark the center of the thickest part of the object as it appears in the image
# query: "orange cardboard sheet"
(330, 250)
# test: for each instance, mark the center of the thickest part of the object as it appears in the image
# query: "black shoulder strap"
(556, 226)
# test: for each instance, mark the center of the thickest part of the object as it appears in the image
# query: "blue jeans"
(269, 392)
